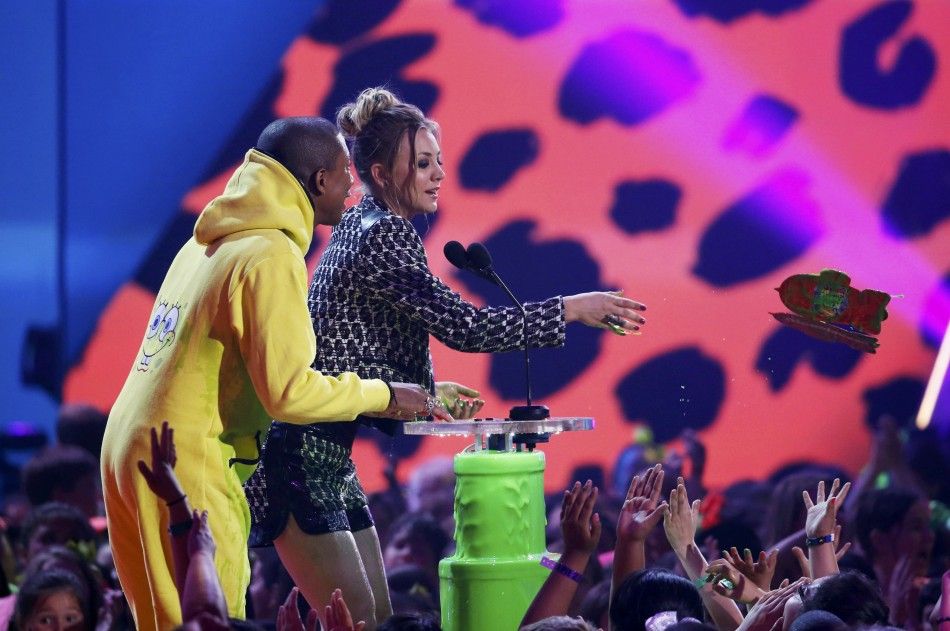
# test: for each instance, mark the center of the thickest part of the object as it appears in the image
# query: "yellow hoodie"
(228, 348)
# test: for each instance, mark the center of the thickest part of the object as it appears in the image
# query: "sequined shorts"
(307, 473)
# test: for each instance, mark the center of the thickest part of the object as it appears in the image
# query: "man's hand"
(450, 393)
(642, 509)
(161, 477)
(411, 401)
(199, 537)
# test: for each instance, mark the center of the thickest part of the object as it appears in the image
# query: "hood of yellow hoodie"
(262, 194)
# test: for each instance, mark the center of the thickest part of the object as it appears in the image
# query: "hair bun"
(353, 117)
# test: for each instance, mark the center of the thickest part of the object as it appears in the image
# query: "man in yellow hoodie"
(228, 348)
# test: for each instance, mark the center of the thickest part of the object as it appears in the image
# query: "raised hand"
(411, 401)
(338, 615)
(681, 519)
(642, 509)
(731, 583)
(766, 615)
(840, 551)
(161, 476)
(199, 537)
(605, 309)
(288, 615)
(450, 393)
(760, 571)
(580, 525)
(822, 513)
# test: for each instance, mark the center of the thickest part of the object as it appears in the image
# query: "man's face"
(337, 184)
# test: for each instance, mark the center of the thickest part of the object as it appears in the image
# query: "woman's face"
(60, 611)
(417, 185)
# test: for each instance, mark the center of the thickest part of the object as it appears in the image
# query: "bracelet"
(180, 499)
(177, 530)
(560, 568)
(811, 542)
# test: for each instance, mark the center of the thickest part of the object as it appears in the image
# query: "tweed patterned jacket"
(374, 303)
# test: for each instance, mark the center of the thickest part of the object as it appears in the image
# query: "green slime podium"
(496, 570)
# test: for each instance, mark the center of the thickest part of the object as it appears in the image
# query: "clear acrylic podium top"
(481, 429)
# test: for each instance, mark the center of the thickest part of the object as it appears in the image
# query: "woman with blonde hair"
(374, 302)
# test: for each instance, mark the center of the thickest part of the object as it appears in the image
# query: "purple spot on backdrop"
(726, 11)
(380, 63)
(863, 80)
(336, 21)
(536, 270)
(677, 390)
(769, 227)
(899, 398)
(630, 76)
(645, 206)
(762, 124)
(521, 18)
(920, 197)
(495, 157)
(786, 348)
(936, 314)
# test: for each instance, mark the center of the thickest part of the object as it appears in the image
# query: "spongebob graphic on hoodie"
(160, 333)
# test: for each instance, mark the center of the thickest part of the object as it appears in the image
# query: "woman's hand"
(731, 583)
(338, 615)
(758, 571)
(681, 520)
(161, 477)
(605, 309)
(288, 615)
(766, 615)
(822, 513)
(642, 509)
(580, 525)
(450, 393)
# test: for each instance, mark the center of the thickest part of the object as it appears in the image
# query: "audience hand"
(681, 520)
(338, 615)
(822, 513)
(161, 477)
(580, 526)
(759, 572)
(766, 615)
(288, 615)
(802, 558)
(595, 308)
(642, 509)
(450, 393)
(411, 401)
(200, 540)
(743, 590)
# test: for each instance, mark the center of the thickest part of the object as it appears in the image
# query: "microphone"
(478, 260)
(455, 253)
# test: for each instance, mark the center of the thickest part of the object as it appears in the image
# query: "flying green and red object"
(826, 307)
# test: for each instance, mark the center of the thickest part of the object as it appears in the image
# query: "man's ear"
(319, 182)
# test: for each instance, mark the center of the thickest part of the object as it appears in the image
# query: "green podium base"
(488, 595)
(496, 570)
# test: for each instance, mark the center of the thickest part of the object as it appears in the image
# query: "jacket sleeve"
(271, 322)
(394, 268)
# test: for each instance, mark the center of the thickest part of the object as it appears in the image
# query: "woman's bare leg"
(367, 542)
(320, 564)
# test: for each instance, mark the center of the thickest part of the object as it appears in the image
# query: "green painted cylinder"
(499, 537)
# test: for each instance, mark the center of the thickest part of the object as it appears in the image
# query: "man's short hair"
(303, 144)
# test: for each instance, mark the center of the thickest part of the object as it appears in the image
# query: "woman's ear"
(379, 175)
